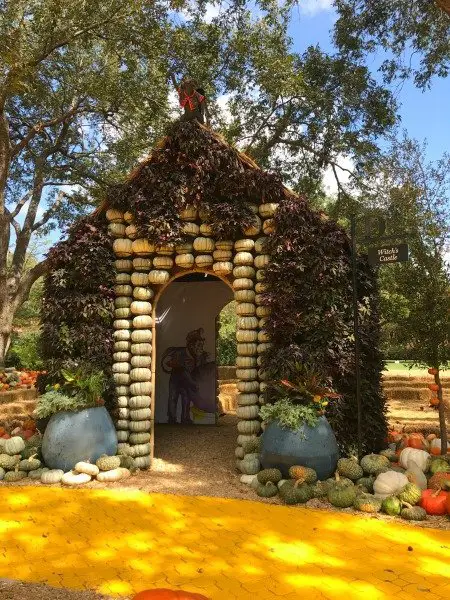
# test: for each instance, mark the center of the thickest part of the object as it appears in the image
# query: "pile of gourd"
(21, 459)
(410, 483)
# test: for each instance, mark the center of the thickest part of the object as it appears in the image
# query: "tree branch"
(27, 280)
(50, 212)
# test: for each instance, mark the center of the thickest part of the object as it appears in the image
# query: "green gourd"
(267, 490)
(272, 475)
(37, 473)
(127, 462)
(8, 462)
(410, 494)
(108, 463)
(391, 506)
(14, 445)
(439, 465)
(249, 465)
(367, 503)
(304, 474)
(320, 489)
(366, 482)
(52, 476)
(29, 464)
(2, 473)
(294, 492)
(341, 494)
(413, 513)
(389, 454)
(252, 445)
(30, 451)
(349, 467)
(374, 463)
(12, 476)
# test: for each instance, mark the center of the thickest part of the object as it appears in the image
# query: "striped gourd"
(244, 438)
(141, 388)
(128, 216)
(260, 275)
(260, 287)
(122, 335)
(140, 450)
(122, 436)
(123, 247)
(142, 322)
(122, 390)
(244, 295)
(239, 452)
(142, 247)
(142, 264)
(263, 336)
(139, 402)
(139, 279)
(122, 424)
(122, 401)
(262, 387)
(142, 462)
(222, 255)
(140, 307)
(206, 229)
(140, 414)
(260, 244)
(123, 264)
(123, 413)
(262, 311)
(141, 335)
(263, 375)
(263, 347)
(142, 293)
(259, 299)
(141, 348)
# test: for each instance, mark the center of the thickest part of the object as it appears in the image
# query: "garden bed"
(19, 590)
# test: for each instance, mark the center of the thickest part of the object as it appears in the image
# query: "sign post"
(386, 255)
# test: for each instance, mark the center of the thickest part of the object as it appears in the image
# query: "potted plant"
(297, 431)
(79, 427)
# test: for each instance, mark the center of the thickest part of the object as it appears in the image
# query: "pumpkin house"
(136, 286)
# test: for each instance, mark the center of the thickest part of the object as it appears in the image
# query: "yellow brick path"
(119, 542)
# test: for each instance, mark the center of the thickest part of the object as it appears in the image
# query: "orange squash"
(434, 502)
(416, 440)
(433, 387)
(434, 401)
(433, 371)
(166, 594)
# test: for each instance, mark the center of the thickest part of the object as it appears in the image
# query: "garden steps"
(16, 406)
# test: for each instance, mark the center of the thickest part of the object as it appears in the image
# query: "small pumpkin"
(420, 457)
(114, 475)
(434, 502)
(349, 467)
(52, 476)
(439, 465)
(367, 503)
(88, 468)
(342, 494)
(108, 463)
(74, 478)
(14, 445)
(433, 387)
(8, 461)
(272, 475)
(366, 482)
(13, 476)
(374, 463)
(438, 480)
(413, 513)
(389, 484)
(249, 465)
(304, 474)
(411, 494)
(267, 490)
(391, 506)
(295, 492)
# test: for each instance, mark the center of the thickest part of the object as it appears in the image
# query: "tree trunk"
(442, 420)
(6, 326)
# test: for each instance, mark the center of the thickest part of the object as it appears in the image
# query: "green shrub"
(24, 352)
(226, 340)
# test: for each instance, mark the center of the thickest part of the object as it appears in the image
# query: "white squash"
(122, 390)
(246, 335)
(122, 313)
(245, 362)
(245, 245)
(243, 438)
(122, 401)
(123, 301)
(122, 335)
(246, 374)
(117, 230)
(247, 412)
(123, 265)
(14, 445)
(141, 335)
(142, 247)
(88, 468)
(191, 229)
(260, 244)
(244, 309)
(113, 215)
(243, 284)
(140, 450)
(123, 290)
(185, 261)
(123, 247)
(122, 346)
(140, 388)
(224, 245)
(247, 349)
(121, 378)
(123, 278)
(263, 347)
(165, 249)
(247, 323)
(260, 275)
(268, 210)
(113, 475)
(141, 361)
(142, 322)
(140, 425)
(248, 387)
(204, 244)
(52, 476)
(158, 277)
(249, 427)
(420, 457)
(74, 478)
(222, 255)
(142, 264)
(139, 307)
(140, 437)
(244, 295)
(121, 367)
(141, 348)
(142, 462)
(139, 402)
(389, 484)
(223, 268)
(244, 271)
(140, 414)
(143, 293)
(243, 258)
(139, 279)
(262, 311)
(120, 357)
(247, 399)
(122, 324)
(140, 374)
(163, 262)
(204, 260)
(122, 436)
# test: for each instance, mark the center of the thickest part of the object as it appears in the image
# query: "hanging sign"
(388, 254)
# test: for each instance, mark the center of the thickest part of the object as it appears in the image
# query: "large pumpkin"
(166, 594)
(420, 457)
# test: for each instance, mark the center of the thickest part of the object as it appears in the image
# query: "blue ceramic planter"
(313, 447)
(74, 436)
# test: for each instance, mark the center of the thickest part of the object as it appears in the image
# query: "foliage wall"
(309, 279)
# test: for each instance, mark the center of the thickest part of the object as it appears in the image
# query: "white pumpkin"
(141, 335)
(248, 387)
(138, 426)
(185, 261)
(389, 484)
(113, 475)
(191, 229)
(142, 322)
(246, 374)
(247, 323)
(142, 293)
(113, 215)
(140, 374)
(139, 307)
(165, 249)
(121, 324)
(244, 271)
(247, 412)
(243, 284)
(121, 378)
(123, 247)
(122, 313)
(245, 309)
(141, 361)
(122, 346)
(123, 290)
(224, 245)
(247, 399)
(52, 476)
(243, 258)
(185, 248)
(139, 279)
(142, 462)
(268, 210)
(222, 255)
(122, 390)
(14, 445)
(246, 335)
(260, 287)
(204, 244)
(269, 226)
(131, 231)
(189, 213)
(139, 402)
(247, 349)
(204, 260)
(420, 457)
(128, 216)
(142, 264)
(244, 295)
(245, 245)
(123, 301)
(122, 335)
(139, 437)
(123, 265)
(158, 277)
(243, 438)
(140, 414)
(244, 362)
(222, 268)
(121, 367)
(163, 262)
(140, 450)
(141, 388)
(122, 424)
(122, 401)
(261, 261)
(141, 348)
(119, 357)
(142, 247)
(74, 478)
(206, 229)
(262, 311)
(117, 230)
(123, 278)
(88, 468)
(249, 427)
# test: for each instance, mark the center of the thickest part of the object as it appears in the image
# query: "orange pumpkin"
(416, 440)
(166, 594)
(438, 480)
(2, 431)
(434, 502)
(433, 387)
(434, 401)
(433, 371)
